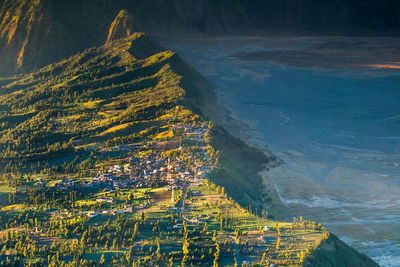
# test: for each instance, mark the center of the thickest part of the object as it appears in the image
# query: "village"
(149, 170)
(164, 185)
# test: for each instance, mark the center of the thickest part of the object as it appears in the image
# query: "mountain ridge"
(45, 31)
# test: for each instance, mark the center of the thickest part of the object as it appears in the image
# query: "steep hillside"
(34, 33)
(333, 252)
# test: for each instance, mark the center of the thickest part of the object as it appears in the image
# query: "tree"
(158, 250)
(278, 244)
(205, 227)
(128, 255)
(102, 259)
(302, 256)
(264, 257)
(185, 247)
(135, 230)
(216, 255)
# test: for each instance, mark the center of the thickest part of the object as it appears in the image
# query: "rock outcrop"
(122, 26)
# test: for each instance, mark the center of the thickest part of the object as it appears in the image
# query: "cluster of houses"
(66, 184)
(125, 209)
(190, 130)
(140, 173)
(152, 170)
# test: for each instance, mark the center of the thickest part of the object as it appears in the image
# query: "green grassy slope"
(43, 112)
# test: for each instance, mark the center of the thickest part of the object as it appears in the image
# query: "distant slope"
(34, 33)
